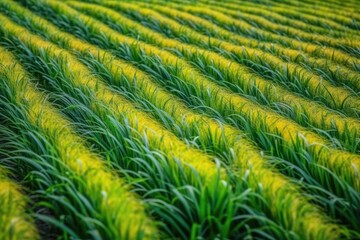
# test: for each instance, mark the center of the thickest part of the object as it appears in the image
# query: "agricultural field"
(151, 119)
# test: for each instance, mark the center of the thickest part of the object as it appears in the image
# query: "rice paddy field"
(206, 119)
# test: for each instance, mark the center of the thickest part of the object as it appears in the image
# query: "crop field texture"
(182, 119)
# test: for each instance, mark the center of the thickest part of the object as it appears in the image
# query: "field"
(151, 119)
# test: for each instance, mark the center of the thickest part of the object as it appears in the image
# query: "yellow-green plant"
(231, 103)
(172, 93)
(15, 223)
(110, 194)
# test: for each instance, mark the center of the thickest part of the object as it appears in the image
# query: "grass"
(276, 179)
(220, 68)
(208, 28)
(122, 54)
(171, 28)
(15, 222)
(281, 20)
(191, 120)
(178, 224)
(223, 97)
(241, 28)
(85, 165)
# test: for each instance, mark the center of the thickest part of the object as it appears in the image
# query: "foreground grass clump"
(14, 222)
(179, 119)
